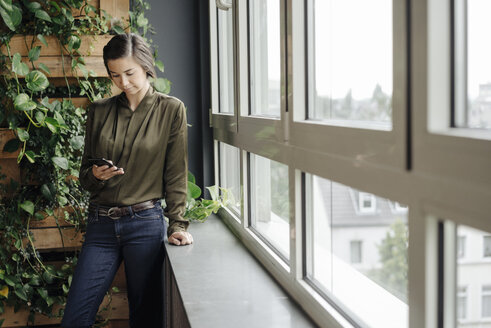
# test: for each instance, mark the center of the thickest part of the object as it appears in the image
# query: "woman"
(143, 135)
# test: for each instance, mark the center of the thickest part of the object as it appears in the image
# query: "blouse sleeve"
(87, 179)
(175, 173)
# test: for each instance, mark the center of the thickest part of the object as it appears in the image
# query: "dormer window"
(366, 202)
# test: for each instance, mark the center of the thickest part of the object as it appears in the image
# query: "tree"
(393, 256)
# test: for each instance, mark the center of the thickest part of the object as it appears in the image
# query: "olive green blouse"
(150, 144)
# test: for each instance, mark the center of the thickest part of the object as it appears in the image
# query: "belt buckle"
(110, 213)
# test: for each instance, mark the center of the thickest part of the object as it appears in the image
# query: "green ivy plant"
(50, 136)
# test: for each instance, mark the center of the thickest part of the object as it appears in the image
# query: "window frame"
(439, 149)
(379, 147)
(435, 174)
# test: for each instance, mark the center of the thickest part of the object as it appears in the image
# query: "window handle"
(224, 4)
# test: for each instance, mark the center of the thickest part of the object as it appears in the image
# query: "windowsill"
(222, 285)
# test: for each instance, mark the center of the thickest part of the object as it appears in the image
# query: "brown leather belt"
(117, 212)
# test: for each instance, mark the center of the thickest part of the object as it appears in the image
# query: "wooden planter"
(118, 311)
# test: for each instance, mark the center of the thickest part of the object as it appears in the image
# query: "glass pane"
(265, 60)
(461, 302)
(270, 202)
(226, 60)
(478, 64)
(230, 174)
(358, 258)
(350, 62)
(473, 279)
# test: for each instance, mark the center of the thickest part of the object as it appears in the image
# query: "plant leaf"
(33, 6)
(193, 190)
(22, 134)
(44, 68)
(21, 293)
(6, 4)
(42, 39)
(213, 192)
(159, 65)
(141, 20)
(39, 116)
(46, 191)
(4, 291)
(18, 66)
(43, 292)
(36, 81)
(74, 43)
(191, 177)
(77, 142)
(30, 156)
(11, 145)
(11, 14)
(27, 206)
(23, 102)
(41, 14)
(34, 53)
(61, 162)
(52, 124)
(162, 85)
(118, 29)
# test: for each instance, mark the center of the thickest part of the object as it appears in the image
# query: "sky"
(478, 44)
(353, 48)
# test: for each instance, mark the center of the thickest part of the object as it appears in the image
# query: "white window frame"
(440, 150)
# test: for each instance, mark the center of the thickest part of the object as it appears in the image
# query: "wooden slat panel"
(91, 45)
(116, 8)
(10, 169)
(119, 311)
(56, 68)
(50, 221)
(120, 278)
(49, 239)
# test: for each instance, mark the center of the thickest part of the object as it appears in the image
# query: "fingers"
(105, 172)
(181, 238)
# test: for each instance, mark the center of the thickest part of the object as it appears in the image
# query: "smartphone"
(100, 162)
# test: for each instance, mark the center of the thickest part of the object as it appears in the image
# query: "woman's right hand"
(105, 172)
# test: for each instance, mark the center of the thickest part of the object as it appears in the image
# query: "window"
(375, 264)
(350, 62)
(226, 60)
(461, 302)
(270, 210)
(265, 60)
(473, 294)
(230, 174)
(355, 249)
(366, 202)
(461, 247)
(487, 246)
(486, 301)
(473, 77)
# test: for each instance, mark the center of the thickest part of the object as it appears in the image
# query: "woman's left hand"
(181, 238)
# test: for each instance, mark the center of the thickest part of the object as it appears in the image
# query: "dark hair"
(126, 45)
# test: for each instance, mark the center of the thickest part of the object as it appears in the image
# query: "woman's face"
(127, 74)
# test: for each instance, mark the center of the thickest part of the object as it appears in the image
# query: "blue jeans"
(137, 239)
